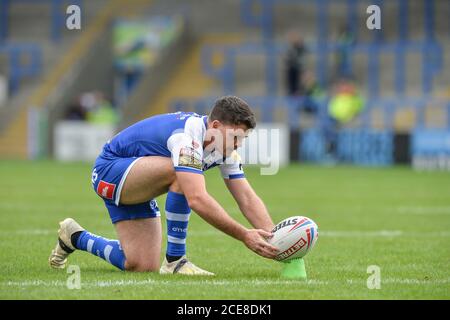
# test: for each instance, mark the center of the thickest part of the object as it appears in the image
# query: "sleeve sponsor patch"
(190, 158)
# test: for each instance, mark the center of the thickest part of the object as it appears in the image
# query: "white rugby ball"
(294, 237)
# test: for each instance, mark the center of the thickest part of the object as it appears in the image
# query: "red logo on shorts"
(106, 190)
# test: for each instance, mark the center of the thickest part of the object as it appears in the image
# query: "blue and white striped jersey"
(178, 135)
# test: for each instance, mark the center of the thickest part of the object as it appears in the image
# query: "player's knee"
(170, 177)
(141, 266)
(175, 187)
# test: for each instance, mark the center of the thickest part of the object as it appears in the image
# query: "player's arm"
(250, 204)
(194, 189)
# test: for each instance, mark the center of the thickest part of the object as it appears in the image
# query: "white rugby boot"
(183, 266)
(64, 247)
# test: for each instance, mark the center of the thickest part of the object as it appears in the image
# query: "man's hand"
(194, 189)
(254, 239)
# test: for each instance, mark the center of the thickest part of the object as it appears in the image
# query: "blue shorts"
(108, 177)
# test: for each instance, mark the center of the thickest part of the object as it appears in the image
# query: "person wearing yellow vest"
(103, 113)
(343, 107)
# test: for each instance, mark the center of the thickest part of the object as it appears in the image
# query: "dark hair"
(232, 110)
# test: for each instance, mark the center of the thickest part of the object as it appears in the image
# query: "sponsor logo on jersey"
(153, 204)
(94, 176)
(190, 158)
(106, 189)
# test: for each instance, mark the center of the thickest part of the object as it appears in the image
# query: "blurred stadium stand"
(237, 47)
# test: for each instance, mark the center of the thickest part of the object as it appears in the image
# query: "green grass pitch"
(394, 218)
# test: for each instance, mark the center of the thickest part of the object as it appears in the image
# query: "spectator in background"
(345, 104)
(312, 92)
(94, 108)
(100, 110)
(294, 65)
(345, 41)
(76, 112)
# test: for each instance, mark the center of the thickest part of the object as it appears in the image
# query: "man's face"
(225, 138)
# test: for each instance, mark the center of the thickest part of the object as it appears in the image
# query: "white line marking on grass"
(211, 233)
(355, 234)
(328, 233)
(415, 281)
(423, 210)
(33, 232)
(36, 232)
(110, 283)
(345, 234)
(25, 207)
(190, 283)
(403, 281)
(114, 283)
(34, 283)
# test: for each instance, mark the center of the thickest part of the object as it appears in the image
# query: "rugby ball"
(294, 237)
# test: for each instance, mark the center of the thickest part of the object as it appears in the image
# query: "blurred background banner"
(430, 149)
(344, 93)
(137, 43)
(79, 141)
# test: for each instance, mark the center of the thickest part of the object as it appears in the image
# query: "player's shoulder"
(191, 129)
(195, 126)
(184, 119)
(176, 122)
